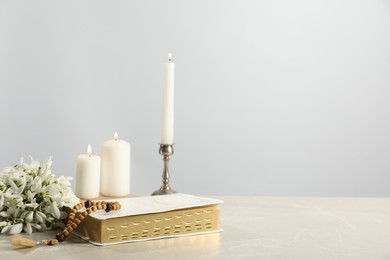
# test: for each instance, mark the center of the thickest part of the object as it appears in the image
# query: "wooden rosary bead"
(66, 233)
(43, 242)
(94, 208)
(81, 217)
(53, 242)
(88, 203)
(85, 213)
(60, 237)
(74, 225)
(108, 207)
(77, 221)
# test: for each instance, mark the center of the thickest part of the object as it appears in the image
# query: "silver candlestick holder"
(166, 150)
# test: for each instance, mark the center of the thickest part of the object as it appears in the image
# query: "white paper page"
(155, 204)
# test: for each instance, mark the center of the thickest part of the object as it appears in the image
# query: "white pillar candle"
(115, 179)
(168, 103)
(88, 175)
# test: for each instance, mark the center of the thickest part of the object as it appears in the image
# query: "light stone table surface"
(254, 228)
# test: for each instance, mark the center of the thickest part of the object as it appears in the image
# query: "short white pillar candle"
(88, 175)
(115, 179)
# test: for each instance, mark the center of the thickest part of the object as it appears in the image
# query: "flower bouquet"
(31, 199)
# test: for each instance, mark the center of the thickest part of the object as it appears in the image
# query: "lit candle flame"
(169, 56)
(89, 150)
(116, 136)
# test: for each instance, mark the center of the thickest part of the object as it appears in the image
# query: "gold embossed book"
(146, 218)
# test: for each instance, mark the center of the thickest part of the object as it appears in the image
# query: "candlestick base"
(163, 191)
(166, 150)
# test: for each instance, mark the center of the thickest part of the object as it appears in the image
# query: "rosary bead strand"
(90, 206)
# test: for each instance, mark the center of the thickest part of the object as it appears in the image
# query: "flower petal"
(30, 217)
(4, 229)
(16, 229)
(27, 228)
(4, 214)
(55, 211)
(38, 217)
(3, 223)
(13, 185)
(35, 225)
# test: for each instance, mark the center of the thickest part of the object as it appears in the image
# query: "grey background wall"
(272, 97)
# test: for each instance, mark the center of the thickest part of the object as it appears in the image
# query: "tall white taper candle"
(168, 103)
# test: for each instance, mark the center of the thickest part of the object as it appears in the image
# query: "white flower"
(39, 217)
(27, 228)
(30, 217)
(31, 199)
(55, 210)
(16, 229)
